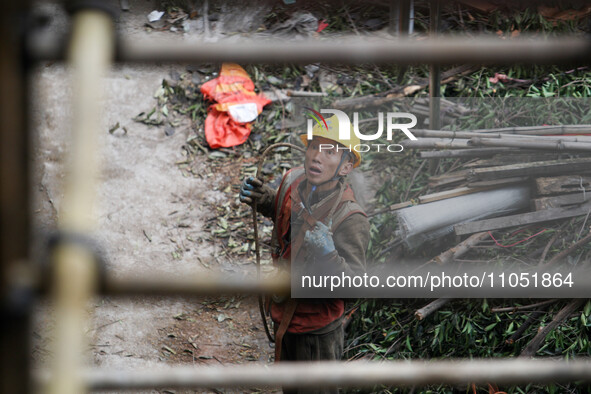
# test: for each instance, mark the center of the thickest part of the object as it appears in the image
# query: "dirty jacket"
(350, 229)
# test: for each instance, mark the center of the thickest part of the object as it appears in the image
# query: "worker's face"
(322, 160)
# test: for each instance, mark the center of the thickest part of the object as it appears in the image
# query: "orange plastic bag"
(236, 105)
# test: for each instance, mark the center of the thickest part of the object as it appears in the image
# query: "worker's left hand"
(319, 240)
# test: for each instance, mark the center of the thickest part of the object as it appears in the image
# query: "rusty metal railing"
(350, 50)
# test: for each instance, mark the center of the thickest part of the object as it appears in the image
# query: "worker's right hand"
(251, 190)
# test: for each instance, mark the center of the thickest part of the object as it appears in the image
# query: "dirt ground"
(151, 218)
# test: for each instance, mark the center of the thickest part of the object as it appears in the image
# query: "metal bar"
(434, 72)
(354, 49)
(403, 17)
(393, 17)
(74, 265)
(350, 374)
(15, 296)
(193, 285)
(434, 81)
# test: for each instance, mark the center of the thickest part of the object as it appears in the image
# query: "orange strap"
(288, 312)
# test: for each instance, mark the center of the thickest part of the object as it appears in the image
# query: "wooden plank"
(552, 167)
(561, 201)
(562, 184)
(516, 156)
(446, 181)
(521, 219)
(498, 182)
(400, 205)
(437, 196)
(449, 194)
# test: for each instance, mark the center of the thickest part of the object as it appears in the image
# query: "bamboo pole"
(492, 135)
(583, 129)
(476, 152)
(559, 145)
(436, 143)
(75, 270)
(350, 374)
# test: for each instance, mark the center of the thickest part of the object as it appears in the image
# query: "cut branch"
(532, 347)
(460, 249)
(568, 250)
(523, 307)
(430, 308)
(530, 319)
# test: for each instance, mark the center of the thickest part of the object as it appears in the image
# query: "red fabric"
(310, 316)
(222, 131)
(233, 86)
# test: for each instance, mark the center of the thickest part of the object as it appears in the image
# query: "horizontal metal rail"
(350, 374)
(193, 285)
(439, 50)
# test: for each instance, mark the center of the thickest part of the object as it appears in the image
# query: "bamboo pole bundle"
(474, 133)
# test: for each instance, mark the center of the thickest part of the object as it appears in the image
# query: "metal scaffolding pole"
(352, 49)
(15, 292)
(350, 374)
(193, 285)
(75, 273)
(434, 81)
(434, 73)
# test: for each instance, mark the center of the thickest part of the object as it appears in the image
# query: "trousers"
(313, 347)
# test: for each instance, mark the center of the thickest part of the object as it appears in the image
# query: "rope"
(256, 232)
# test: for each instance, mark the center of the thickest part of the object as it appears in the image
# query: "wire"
(518, 242)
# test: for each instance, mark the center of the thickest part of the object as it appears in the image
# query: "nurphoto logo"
(393, 123)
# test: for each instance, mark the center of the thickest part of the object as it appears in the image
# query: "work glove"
(251, 190)
(319, 241)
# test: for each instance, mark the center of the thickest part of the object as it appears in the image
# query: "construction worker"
(317, 221)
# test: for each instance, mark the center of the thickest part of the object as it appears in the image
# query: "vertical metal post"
(399, 25)
(434, 82)
(15, 297)
(74, 266)
(403, 17)
(434, 72)
(394, 17)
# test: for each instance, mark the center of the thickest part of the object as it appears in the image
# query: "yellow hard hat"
(319, 130)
